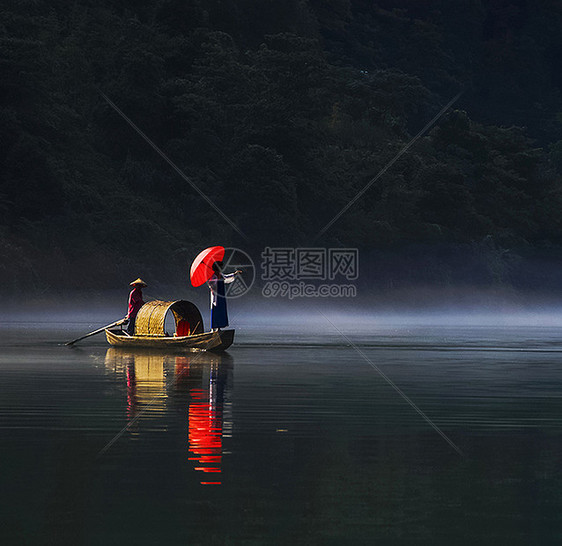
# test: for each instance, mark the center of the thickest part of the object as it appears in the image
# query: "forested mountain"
(280, 112)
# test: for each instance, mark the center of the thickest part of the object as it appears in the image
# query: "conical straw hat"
(138, 281)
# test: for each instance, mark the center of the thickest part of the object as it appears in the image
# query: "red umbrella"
(202, 267)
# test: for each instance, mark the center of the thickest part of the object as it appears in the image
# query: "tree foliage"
(280, 112)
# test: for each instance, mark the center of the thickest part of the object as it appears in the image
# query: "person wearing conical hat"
(135, 303)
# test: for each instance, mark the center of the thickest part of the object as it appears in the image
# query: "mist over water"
(397, 421)
(371, 309)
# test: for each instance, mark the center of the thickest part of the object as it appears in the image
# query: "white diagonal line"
(396, 388)
(172, 164)
(387, 166)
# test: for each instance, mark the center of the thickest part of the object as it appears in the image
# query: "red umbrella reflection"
(205, 425)
(205, 433)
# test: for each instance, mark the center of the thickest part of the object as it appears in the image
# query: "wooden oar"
(117, 323)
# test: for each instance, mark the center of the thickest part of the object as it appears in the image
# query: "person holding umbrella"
(207, 267)
(219, 314)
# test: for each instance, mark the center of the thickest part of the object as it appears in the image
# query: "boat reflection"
(146, 381)
(199, 382)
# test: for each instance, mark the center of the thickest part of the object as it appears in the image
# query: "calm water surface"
(293, 437)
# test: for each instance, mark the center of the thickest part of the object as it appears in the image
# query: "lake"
(328, 431)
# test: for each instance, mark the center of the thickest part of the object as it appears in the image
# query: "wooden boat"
(207, 341)
(151, 323)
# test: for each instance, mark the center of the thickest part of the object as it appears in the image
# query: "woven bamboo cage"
(151, 318)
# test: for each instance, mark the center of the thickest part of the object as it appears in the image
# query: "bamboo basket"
(151, 318)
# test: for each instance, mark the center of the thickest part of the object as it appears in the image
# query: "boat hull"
(208, 341)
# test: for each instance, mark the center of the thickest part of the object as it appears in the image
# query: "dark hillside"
(280, 112)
